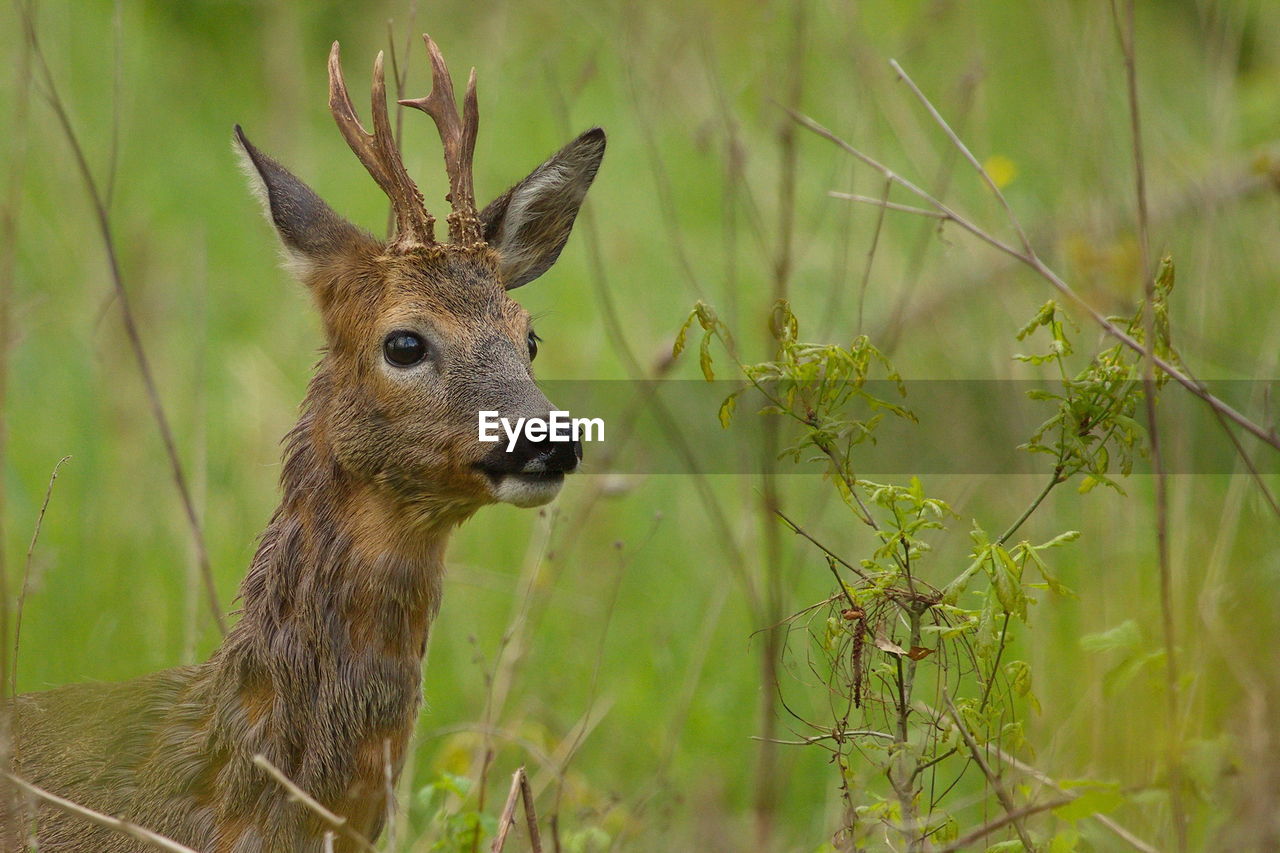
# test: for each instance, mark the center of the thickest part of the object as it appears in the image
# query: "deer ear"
(529, 224)
(309, 229)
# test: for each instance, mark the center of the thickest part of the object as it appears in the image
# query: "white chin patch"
(526, 490)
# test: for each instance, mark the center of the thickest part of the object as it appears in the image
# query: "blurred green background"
(633, 646)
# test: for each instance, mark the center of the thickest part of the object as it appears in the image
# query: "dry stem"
(146, 836)
(26, 577)
(103, 219)
(1001, 793)
(338, 822)
(1029, 258)
(1127, 34)
(519, 788)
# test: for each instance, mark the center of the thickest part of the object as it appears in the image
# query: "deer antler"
(458, 136)
(378, 152)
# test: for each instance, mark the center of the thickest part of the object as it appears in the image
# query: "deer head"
(421, 335)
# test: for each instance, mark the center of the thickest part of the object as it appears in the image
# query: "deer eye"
(533, 344)
(404, 349)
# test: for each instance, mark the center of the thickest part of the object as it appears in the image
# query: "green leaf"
(1164, 278)
(704, 358)
(1120, 677)
(1066, 841)
(727, 408)
(1095, 798)
(782, 322)
(1060, 539)
(1050, 580)
(1007, 579)
(949, 830)
(682, 335)
(1125, 636)
(1013, 845)
(1019, 674)
(706, 316)
(1042, 318)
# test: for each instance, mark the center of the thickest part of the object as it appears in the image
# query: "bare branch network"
(1024, 252)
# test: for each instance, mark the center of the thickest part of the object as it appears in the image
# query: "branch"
(832, 736)
(1046, 780)
(887, 205)
(151, 839)
(1176, 804)
(1001, 794)
(795, 528)
(1029, 258)
(26, 577)
(1003, 821)
(338, 822)
(519, 788)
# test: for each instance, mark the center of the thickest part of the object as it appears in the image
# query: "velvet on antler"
(458, 135)
(377, 151)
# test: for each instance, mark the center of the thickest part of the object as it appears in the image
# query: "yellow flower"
(1001, 169)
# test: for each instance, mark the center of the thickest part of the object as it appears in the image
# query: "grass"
(636, 612)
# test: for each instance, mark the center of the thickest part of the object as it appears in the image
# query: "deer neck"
(322, 674)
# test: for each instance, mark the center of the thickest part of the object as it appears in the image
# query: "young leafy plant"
(912, 656)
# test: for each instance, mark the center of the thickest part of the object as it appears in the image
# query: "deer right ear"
(530, 223)
(309, 229)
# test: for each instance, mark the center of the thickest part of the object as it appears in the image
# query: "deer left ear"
(529, 224)
(309, 229)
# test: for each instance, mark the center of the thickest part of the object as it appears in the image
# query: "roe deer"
(323, 671)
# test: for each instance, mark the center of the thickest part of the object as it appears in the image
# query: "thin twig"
(337, 822)
(580, 732)
(513, 643)
(1004, 820)
(1044, 779)
(871, 252)
(507, 820)
(906, 295)
(667, 422)
(530, 815)
(795, 528)
(117, 83)
(833, 736)
(103, 220)
(964, 150)
(887, 205)
(1001, 794)
(26, 577)
(1055, 479)
(151, 839)
(11, 806)
(766, 783)
(1127, 35)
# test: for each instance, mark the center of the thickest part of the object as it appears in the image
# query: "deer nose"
(542, 455)
(546, 455)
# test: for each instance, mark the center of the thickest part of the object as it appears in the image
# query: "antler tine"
(458, 136)
(378, 153)
(470, 127)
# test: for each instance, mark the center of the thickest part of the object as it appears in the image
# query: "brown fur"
(323, 670)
